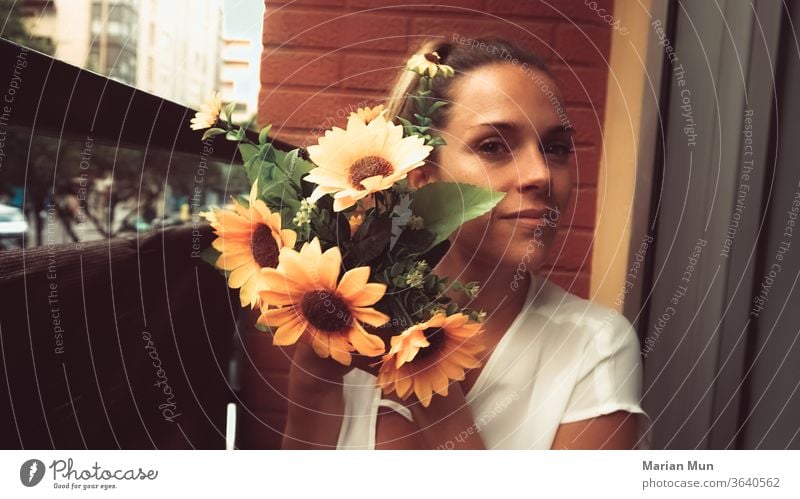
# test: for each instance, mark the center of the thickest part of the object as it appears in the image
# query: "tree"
(12, 14)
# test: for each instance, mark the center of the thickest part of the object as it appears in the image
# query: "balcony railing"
(122, 342)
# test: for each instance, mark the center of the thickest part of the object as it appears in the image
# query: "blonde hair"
(407, 83)
(463, 55)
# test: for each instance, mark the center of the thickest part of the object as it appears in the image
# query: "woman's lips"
(534, 217)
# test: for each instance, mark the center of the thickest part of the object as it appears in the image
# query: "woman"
(558, 371)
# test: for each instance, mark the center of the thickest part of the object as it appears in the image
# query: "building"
(168, 48)
(179, 49)
(239, 77)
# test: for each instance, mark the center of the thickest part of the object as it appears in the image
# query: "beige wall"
(626, 166)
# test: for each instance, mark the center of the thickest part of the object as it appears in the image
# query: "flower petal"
(365, 343)
(289, 333)
(369, 294)
(239, 276)
(352, 281)
(329, 267)
(370, 316)
(320, 343)
(277, 316)
(340, 350)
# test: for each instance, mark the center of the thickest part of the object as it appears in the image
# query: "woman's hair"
(463, 56)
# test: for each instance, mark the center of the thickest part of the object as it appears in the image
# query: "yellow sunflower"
(208, 114)
(367, 114)
(249, 239)
(428, 64)
(426, 356)
(363, 159)
(304, 296)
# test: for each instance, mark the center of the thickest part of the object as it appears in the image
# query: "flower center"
(432, 57)
(265, 249)
(366, 167)
(436, 338)
(326, 311)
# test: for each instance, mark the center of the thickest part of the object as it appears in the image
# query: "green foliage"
(445, 206)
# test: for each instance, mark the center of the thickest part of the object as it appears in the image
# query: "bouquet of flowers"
(337, 250)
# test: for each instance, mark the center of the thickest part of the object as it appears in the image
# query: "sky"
(243, 18)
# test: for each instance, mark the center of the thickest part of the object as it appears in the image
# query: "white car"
(13, 226)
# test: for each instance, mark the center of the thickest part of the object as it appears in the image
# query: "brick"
(581, 85)
(370, 72)
(271, 4)
(582, 208)
(533, 36)
(295, 138)
(292, 28)
(286, 66)
(588, 45)
(305, 109)
(588, 123)
(571, 249)
(450, 6)
(575, 10)
(585, 166)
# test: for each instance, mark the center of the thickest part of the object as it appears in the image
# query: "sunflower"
(249, 239)
(363, 159)
(426, 356)
(428, 65)
(367, 114)
(305, 297)
(208, 114)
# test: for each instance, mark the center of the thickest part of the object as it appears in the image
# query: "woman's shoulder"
(583, 320)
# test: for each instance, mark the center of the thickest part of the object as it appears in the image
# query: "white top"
(563, 359)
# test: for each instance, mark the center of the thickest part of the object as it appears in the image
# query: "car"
(13, 226)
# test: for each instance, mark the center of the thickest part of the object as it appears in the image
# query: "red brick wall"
(323, 58)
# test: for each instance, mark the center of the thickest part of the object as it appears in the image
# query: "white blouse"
(563, 359)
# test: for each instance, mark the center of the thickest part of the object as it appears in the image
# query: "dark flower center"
(326, 311)
(366, 167)
(265, 249)
(436, 337)
(432, 57)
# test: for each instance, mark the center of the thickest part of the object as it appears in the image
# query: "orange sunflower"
(426, 356)
(363, 159)
(367, 114)
(249, 239)
(311, 300)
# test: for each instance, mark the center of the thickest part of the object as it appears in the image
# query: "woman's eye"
(558, 150)
(493, 146)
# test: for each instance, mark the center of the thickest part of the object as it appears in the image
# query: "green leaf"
(229, 112)
(212, 132)
(446, 206)
(247, 151)
(413, 242)
(235, 135)
(436, 105)
(263, 134)
(408, 127)
(371, 239)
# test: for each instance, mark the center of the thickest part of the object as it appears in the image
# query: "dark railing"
(124, 342)
(66, 101)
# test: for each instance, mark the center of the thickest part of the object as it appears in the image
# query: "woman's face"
(504, 132)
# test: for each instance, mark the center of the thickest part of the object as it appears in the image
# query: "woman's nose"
(534, 171)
